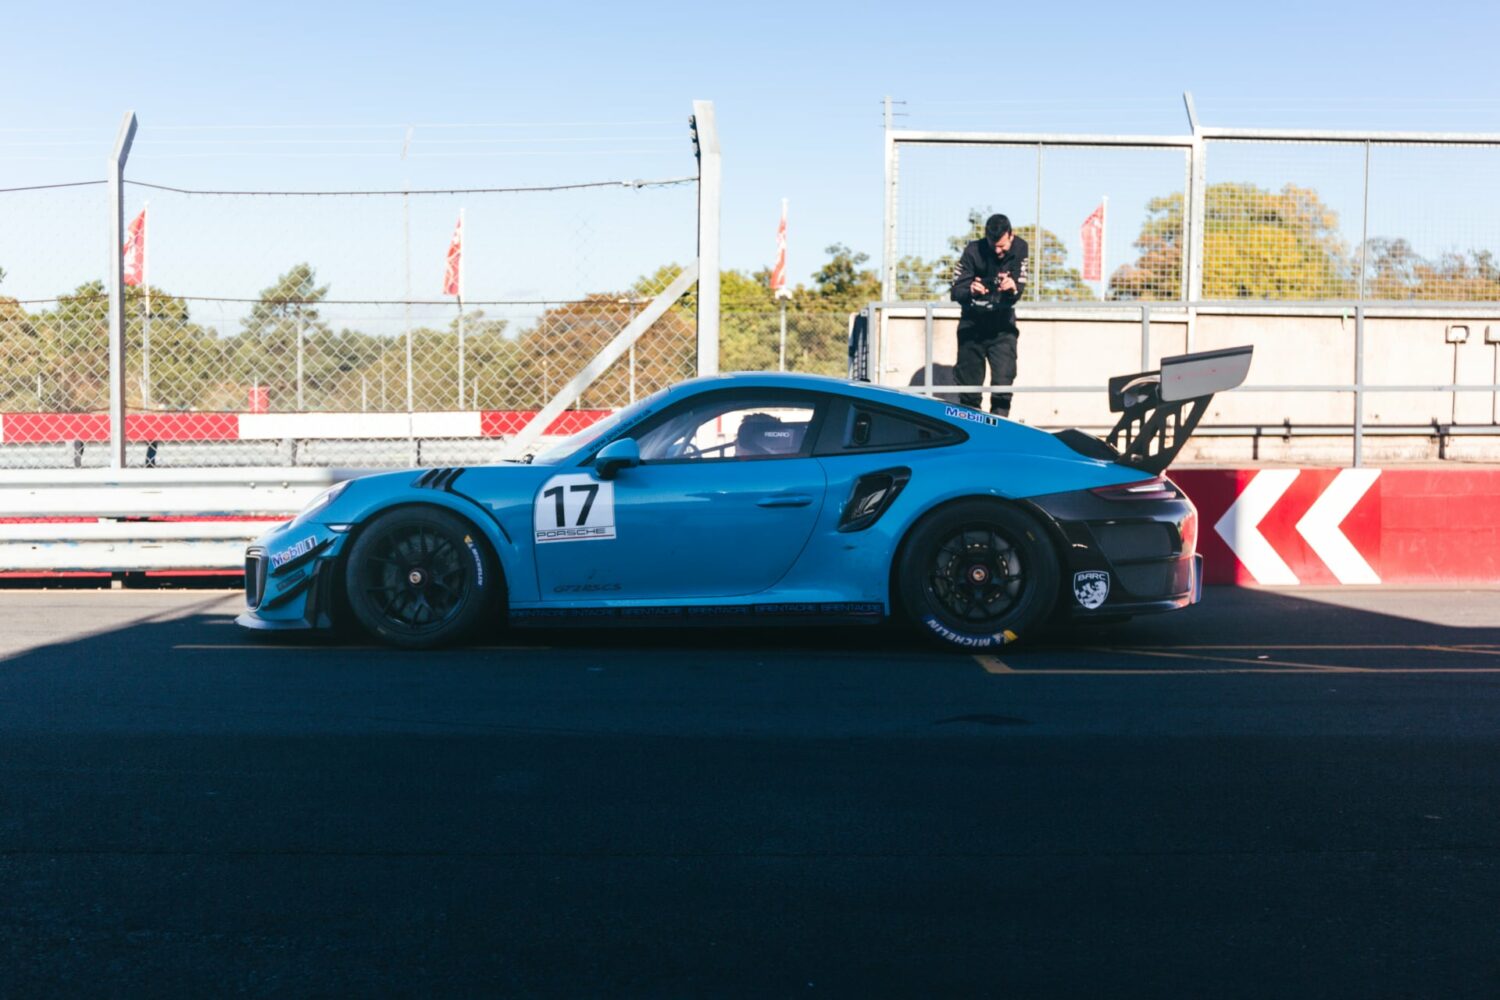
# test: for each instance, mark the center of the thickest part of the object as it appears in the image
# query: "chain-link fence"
(1216, 216)
(327, 326)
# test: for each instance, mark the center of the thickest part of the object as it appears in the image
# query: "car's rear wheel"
(978, 574)
(420, 577)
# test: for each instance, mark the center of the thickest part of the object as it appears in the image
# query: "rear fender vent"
(872, 496)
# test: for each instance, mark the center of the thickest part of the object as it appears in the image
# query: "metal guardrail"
(1142, 313)
(133, 520)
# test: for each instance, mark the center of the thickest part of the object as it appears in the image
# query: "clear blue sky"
(797, 86)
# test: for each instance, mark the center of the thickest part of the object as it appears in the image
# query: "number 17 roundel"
(574, 508)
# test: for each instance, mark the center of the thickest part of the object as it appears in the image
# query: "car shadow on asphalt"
(1229, 618)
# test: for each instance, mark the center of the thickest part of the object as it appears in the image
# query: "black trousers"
(974, 351)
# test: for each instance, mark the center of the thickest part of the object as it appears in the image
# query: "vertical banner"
(453, 284)
(134, 251)
(778, 269)
(1092, 235)
(453, 272)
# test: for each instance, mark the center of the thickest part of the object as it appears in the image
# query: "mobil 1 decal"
(574, 508)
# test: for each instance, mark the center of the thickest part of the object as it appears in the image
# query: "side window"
(735, 427)
(854, 426)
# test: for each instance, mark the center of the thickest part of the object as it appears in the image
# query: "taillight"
(1190, 533)
(1146, 489)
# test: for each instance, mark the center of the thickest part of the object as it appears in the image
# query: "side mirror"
(621, 454)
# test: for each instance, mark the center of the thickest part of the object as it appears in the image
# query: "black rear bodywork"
(1146, 548)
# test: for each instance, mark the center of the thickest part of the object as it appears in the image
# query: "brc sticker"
(1091, 588)
(574, 508)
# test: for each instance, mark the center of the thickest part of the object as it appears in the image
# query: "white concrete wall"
(1059, 347)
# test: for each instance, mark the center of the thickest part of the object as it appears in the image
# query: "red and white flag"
(1093, 244)
(778, 270)
(453, 275)
(135, 251)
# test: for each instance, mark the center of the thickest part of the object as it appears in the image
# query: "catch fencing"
(1214, 215)
(1286, 239)
(321, 325)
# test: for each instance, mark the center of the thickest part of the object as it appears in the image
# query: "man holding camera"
(988, 282)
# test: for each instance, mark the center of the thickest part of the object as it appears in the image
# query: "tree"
(843, 281)
(1051, 277)
(265, 352)
(1395, 271)
(1256, 244)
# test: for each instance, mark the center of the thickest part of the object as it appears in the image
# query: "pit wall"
(1428, 526)
(1083, 348)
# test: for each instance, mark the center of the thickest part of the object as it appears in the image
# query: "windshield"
(598, 430)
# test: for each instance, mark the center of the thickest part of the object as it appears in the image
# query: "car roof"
(813, 383)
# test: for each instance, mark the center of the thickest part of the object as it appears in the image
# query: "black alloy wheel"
(419, 577)
(978, 574)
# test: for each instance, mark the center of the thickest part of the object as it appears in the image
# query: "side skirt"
(748, 615)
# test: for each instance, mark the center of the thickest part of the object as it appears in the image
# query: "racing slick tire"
(978, 574)
(419, 577)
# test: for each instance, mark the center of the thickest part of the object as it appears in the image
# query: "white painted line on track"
(1163, 654)
(993, 665)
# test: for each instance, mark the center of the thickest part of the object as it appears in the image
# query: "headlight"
(322, 500)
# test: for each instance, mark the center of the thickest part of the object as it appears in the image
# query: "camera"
(993, 301)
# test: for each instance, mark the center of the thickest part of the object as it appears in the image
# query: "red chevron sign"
(1347, 526)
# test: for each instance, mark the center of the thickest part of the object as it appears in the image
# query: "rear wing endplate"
(1159, 410)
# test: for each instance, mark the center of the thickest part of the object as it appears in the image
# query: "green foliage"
(844, 282)
(1395, 271)
(1260, 244)
(1257, 244)
(1051, 277)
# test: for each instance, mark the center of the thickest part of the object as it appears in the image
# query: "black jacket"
(979, 260)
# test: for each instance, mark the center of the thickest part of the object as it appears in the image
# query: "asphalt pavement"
(1291, 793)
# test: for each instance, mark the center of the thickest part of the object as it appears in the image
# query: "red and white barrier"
(1275, 526)
(53, 428)
(1415, 526)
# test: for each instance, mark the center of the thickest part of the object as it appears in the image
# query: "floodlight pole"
(710, 194)
(115, 277)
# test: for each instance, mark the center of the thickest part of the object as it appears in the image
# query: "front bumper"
(1125, 557)
(290, 579)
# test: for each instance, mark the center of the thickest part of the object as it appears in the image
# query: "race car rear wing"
(1159, 410)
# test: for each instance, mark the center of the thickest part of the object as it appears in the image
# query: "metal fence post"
(1359, 383)
(710, 194)
(461, 344)
(1195, 206)
(888, 230)
(116, 280)
(1364, 227)
(1041, 244)
(300, 407)
(1145, 336)
(927, 317)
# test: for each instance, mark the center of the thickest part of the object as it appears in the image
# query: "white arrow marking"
(1320, 526)
(1239, 527)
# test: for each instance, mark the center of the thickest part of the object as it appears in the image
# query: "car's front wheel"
(420, 577)
(978, 574)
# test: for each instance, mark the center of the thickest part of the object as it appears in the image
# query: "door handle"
(785, 500)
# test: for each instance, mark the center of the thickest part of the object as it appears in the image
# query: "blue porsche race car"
(762, 498)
